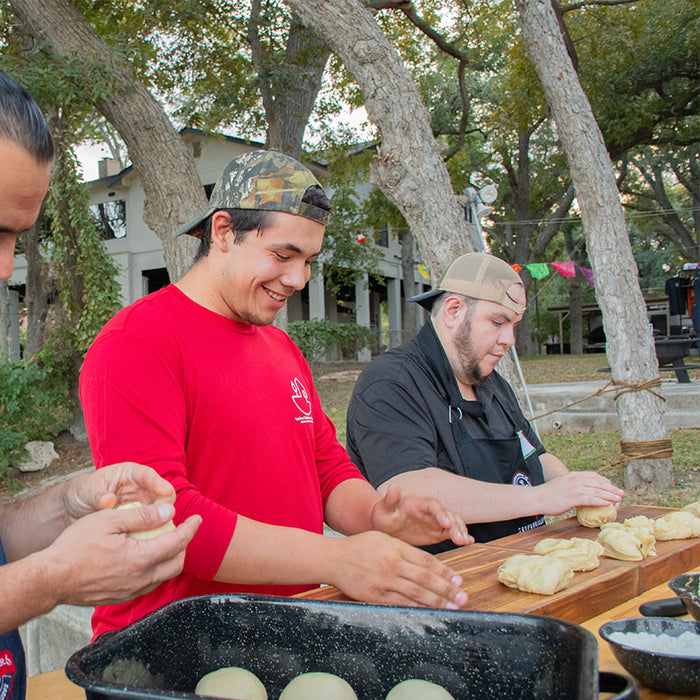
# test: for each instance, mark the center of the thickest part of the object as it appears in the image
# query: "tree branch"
(258, 57)
(464, 120)
(550, 230)
(589, 3)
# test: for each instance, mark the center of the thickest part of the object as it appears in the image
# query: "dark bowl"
(660, 670)
(687, 588)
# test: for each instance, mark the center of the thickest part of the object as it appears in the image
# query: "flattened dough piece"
(679, 525)
(640, 521)
(620, 542)
(418, 689)
(232, 682)
(317, 685)
(643, 529)
(535, 573)
(595, 516)
(581, 554)
(146, 534)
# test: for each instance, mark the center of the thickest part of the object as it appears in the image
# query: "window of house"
(110, 218)
(155, 279)
(383, 236)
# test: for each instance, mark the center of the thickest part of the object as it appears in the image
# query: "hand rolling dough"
(417, 689)
(534, 573)
(581, 554)
(317, 685)
(595, 516)
(678, 525)
(146, 534)
(232, 682)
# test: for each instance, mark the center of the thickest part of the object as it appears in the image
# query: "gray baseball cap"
(261, 180)
(479, 276)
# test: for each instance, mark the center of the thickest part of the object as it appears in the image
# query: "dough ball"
(318, 686)
(595, 516)
(146, 534)
(417, 689)
(534, 573)
(232, 682)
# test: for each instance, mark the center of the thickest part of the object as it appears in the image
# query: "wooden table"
(606, 658)
(613, 591)
(590, 593)
(53, 685)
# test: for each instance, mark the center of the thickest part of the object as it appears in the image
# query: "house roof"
(188, 134)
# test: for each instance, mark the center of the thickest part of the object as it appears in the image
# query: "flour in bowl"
(685, 644)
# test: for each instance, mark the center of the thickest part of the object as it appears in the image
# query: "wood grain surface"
(590, 593)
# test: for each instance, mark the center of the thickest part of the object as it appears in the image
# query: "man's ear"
(453, 310)
(221, 234)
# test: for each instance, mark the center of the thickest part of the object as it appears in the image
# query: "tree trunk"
(575, 315)
(37, 291)
(4, 321)
(165, 166)
(409, 168)
(412, 315)
(630, 349)
(289, 97)
(575, 297)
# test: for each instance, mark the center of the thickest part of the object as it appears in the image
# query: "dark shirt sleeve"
(389, 432)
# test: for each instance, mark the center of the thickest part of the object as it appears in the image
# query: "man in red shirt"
(196, 382)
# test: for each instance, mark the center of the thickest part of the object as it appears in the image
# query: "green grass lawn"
(578, 451)
(547, 369)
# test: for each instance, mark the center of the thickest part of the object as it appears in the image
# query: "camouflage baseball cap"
(262, 180)
(479, 276)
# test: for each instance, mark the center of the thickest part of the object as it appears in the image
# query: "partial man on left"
(68, 544)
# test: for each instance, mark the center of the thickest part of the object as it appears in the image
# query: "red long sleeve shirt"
(227, 412)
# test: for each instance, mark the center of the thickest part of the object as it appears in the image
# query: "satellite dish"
(488, 194)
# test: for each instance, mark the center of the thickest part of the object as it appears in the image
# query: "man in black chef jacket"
(435, 418)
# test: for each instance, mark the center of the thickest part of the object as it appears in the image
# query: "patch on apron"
(526, 447)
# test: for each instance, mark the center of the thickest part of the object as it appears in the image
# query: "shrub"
(316, 336)
(33, 406)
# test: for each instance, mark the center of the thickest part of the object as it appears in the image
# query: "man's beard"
(468, 365)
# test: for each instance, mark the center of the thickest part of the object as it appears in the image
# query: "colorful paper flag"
(566, 269)
(588, 274)
(538, 270)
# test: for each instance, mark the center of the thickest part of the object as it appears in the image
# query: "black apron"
(13, 672)
(507, 460)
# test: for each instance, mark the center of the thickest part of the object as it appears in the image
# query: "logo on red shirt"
(301, 400)
(7, 673)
